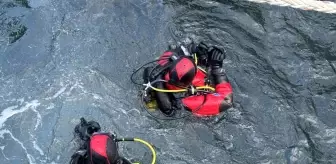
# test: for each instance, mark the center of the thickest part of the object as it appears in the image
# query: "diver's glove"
(200, 49)
(216, 57)
(86, 129)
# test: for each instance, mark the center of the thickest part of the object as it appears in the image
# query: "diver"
(100, 148)
(189, 77)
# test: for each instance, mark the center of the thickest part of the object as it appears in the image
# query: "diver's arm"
(218, 74)
(212, 104)
(222, 85)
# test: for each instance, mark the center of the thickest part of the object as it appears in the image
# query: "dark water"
(60, 60)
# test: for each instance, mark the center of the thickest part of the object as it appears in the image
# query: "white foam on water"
(332, 140)
(257, 140)
(38, 148)
(318, 76)
(39, 118)
(303, 143)
(51, 106)
(57, 94)
(279, 109)
(243, 126)
(2, 148)
(133, 109)
(243, 95)
(96, 96)
(6, 112)
(296, 154)
(72, 87)
(123, 111)
(331, 133)
(9, 112)
(309, 118)
(29, 157)
(229, 146)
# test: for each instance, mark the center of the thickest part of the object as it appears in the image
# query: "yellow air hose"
(149, 146)
(195, 57)
(196, 62)
(180, 90)
(201, 69)
(143, 142)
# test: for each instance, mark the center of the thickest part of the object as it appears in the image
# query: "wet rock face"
(61, 60)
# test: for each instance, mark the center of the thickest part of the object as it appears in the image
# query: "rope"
(321, 6)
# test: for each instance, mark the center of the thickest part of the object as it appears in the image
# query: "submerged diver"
(100, 148)
(196, 72)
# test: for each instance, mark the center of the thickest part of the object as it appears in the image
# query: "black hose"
(124, 139)
(137, 70)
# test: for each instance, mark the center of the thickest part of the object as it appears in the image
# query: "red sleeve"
(213, 104)
(224, 88)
